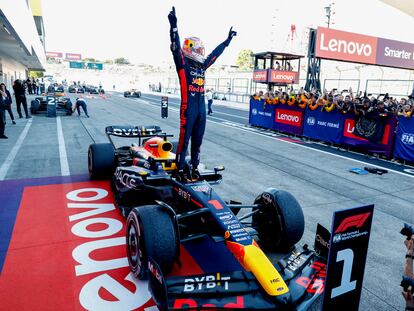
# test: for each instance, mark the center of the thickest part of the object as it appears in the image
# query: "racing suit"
(192, 111)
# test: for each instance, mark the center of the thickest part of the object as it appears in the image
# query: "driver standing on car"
(191, 66)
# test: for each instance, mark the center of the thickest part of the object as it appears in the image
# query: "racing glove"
(172, 18)
(232, 33)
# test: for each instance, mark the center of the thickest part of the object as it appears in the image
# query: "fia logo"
(254, 111)
(311, 121)
(407, 139)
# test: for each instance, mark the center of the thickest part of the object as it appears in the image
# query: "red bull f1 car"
(163, 211)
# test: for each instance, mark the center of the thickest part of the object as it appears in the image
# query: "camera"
(408, 231)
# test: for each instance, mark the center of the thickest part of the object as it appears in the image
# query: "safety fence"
(336, 128)
(240, 89)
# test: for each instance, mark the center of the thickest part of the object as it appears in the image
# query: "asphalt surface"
(318, 176)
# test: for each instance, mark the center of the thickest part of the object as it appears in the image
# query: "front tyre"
(151, 232)
(280, 222)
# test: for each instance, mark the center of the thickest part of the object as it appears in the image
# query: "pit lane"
(254, 160)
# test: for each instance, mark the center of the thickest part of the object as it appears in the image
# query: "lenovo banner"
(260, 75)
(288, 119)
(345, 46)
(260, 114)
(383, 147)
(324, 126)
(54, 54)
(395, 54)
(348, 249)
(72, 56)
(280, 76)
(404, 143)
(357, 48)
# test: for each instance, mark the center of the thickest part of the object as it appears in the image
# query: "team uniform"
(191, 72)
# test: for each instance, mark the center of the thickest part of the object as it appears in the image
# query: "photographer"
(408, 272)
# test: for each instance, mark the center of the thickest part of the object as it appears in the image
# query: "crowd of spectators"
(344, 101)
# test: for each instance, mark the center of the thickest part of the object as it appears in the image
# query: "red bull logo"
(198, 89)
(198, 81)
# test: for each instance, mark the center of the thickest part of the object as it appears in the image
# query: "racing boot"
(195, 174)
(184, 175)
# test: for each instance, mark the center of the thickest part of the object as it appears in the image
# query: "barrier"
(289, 119)
(404, 141)
(384, 147)
(334, 127)
(324, 126)
(260, 114)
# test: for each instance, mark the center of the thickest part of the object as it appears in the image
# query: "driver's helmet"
(193, 48)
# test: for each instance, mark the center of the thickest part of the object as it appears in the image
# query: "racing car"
(56, 90)
(132, 93)
(63, 104)
(163, 210)
(72, 88)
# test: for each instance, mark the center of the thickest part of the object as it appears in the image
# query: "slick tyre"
(101, 161)
(34, 105)
(151, 232)
(279, 222)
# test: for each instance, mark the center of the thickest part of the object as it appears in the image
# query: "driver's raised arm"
(175, 39)
(219, 49)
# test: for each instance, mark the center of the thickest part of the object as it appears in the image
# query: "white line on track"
(216, 112)
(10, 158)
(252, 131)
(64, 165)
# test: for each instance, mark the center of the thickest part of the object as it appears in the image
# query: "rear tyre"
(69, 107)
(34, 105)
(151, 232)
(101, 161)
(280, 222)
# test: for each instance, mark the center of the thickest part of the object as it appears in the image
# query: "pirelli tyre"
(101, 161)
(279, 222)
(69, 107)
(34, 106)
(151, 232)
(138, 94)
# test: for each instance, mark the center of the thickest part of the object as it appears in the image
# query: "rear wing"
(133, 131)
(130, 131)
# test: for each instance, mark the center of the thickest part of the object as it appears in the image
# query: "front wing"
(303, 273)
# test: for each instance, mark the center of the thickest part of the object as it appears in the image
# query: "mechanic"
(80, 102)
(408, 272)
(191, 66)
(5, 92)
(2, 111)
(20, 95)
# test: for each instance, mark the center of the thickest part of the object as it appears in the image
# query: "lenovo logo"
(346, 46)
(356, 222)
(260, 75)
(289, 117)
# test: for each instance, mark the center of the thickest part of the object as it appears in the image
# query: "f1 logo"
(353, 221)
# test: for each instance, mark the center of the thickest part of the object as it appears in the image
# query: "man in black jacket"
(20, 94)
(2, 105)
(5, 91)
